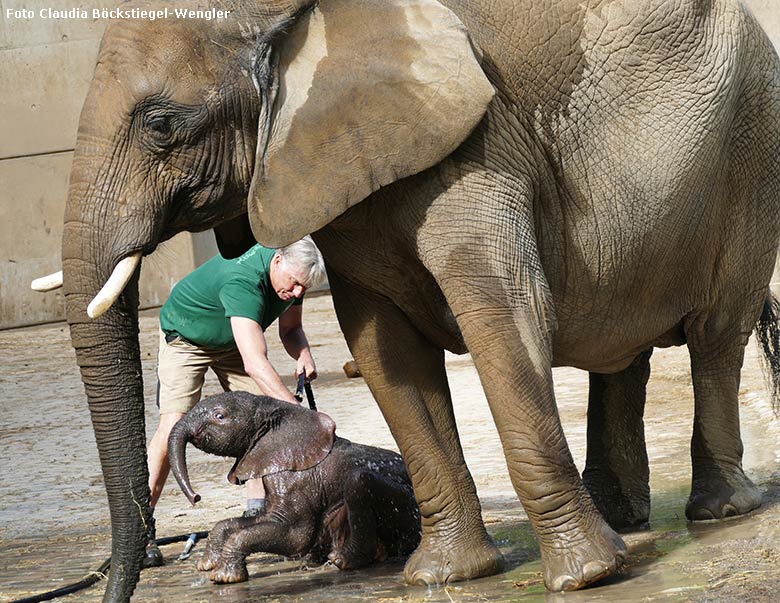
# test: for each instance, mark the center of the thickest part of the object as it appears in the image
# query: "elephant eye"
(159, 125)
(219, 416)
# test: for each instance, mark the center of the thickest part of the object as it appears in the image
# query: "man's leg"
(157, 454)
(181, 369)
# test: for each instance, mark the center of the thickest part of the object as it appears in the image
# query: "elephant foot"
(208, 561)
(350, 559)
(720, 493)
(579, 560)
(340, 560)
(437, 562)
(230, 573)
(624, 505)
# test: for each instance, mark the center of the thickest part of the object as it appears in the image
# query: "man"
(216, 318)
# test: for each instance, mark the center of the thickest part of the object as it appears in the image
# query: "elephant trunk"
(108, 354)
(107, 351)
(177, 454)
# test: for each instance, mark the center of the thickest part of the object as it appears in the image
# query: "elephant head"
(282, 114)
(264, 435)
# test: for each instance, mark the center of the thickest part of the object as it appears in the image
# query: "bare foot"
(624, 504)
(208, 561)
(338, 560)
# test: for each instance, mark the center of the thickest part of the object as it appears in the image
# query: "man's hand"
(305, 365)
(294, 340)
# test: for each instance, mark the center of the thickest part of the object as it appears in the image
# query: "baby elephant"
(326, 497)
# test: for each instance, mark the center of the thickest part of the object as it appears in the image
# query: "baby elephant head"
(264, 435)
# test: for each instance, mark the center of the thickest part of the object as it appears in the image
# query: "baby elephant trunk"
(177, 454)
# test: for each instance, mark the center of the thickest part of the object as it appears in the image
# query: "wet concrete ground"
(54, 520)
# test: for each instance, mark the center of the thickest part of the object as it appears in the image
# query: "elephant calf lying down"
(326, 497)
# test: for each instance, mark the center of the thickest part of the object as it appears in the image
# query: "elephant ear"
(370, 91)
(291, 439)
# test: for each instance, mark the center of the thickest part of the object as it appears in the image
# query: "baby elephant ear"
(370, 91)
(297, 439)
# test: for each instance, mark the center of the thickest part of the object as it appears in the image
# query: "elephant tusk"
(47, 283)
(114, 285)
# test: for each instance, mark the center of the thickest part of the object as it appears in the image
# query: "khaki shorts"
(181, 371)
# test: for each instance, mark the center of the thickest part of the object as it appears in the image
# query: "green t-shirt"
(202, 303)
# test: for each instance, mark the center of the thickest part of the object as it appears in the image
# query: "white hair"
(303, 255)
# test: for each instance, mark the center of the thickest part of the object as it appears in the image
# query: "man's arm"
(254, 352)
(294, 340)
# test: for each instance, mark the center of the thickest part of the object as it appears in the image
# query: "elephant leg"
(375, 522)
(616, 471)
(406, 375)
(354, 533)
(577, 546)
(319, 551)
(503, 308)
(263, 533)
(720, 487)
(216, 540)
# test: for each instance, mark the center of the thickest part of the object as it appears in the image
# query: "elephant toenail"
(702, 514)
(423, 578)
(454, 578)
(729, 511)
(594, 571)
(564, 583)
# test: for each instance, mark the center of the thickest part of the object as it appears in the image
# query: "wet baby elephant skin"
(327, 498)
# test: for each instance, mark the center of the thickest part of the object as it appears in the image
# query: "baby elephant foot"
(578, 560)
(208, 561)
(719, 493)
(229, 573)
(350, 560)
(338, 559)
(437, 561)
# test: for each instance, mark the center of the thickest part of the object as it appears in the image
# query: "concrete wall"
(45, 68)
(768, 14)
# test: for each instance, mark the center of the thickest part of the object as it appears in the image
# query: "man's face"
(286, 279)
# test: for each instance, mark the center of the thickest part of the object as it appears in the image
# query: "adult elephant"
(538, 184)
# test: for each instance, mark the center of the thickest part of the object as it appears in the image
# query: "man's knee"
(168, 420)
(164, 428)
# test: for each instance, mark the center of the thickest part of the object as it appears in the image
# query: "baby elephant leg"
(216, 541)
(374, 506)
(264, 533)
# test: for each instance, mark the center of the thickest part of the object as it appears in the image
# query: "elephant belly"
(605, 330)
(608, 357)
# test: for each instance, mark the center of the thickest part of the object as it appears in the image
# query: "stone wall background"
(45, 69)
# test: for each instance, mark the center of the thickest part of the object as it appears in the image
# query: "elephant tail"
(768, 336)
